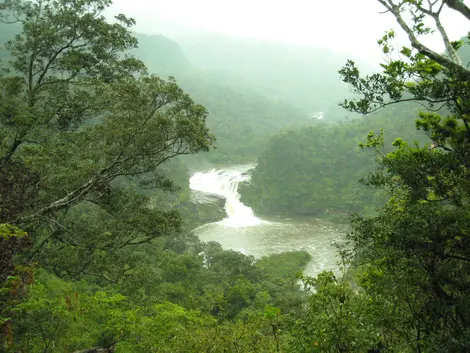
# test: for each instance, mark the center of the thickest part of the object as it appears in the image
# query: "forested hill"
(302, 76)
(241, 116)
(242, 121)
(252, 89)
(162, 55)
(316, 171)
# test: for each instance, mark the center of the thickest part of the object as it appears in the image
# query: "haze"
(343, 25)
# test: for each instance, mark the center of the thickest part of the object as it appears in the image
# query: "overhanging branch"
(459, 6)
(445, 38)
(415, 43)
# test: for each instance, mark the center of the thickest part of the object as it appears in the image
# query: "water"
(318, 115)
(224, 183)
(243, 231)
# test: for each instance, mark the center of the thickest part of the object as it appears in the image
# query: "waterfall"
(242, 231)
(224, 183)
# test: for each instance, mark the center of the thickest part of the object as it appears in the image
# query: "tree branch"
(11, 151)
(459, 6)
(51, 60)
(70, 199)
(445, 38)
(415, 43)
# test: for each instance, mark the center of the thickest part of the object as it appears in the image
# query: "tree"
(69, 86)
(80, 121)
(76, 113)
(415, 252)
(82, 124)
(63, 45)
(13, 279)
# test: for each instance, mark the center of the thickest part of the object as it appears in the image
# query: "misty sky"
(351, 26)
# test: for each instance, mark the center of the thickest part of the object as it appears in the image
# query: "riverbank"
(241, 230)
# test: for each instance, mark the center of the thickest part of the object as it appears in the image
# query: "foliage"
(300, 76)
(95, 253)
(183, 303)
(284, 265)
(13, 279)
(336, 319)
(316, 171)
(67, 144)
(409, 261)
(414, 250)
(80, 121)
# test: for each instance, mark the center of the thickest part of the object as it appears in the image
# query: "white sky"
(350, 26)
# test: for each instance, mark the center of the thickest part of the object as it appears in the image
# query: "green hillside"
(301, 76)
(316, 171)
(161, 55)
(252, 89)
(242, 120)
(241, 116)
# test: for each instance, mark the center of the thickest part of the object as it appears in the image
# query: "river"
(243, 231)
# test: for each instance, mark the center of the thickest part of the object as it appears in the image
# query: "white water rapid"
(224, 183)
(242, 231)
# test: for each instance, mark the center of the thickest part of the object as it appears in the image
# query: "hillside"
(242, 120)
(162, 55)
(252, 89)
(242, 117)
(316, 171)
(302, 76)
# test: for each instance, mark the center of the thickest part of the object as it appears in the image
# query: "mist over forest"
(191, 184)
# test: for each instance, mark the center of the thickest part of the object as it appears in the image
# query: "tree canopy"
(415, 249)
(92, 252)
(406, 288)
(94, 257)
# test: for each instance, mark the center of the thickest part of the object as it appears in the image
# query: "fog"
(344, 26)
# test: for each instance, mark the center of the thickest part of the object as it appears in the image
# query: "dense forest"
(241, 115)
(315, 171)
(303, 77)
(252, 89)
(96, 248)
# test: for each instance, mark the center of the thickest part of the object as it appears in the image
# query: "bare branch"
(445, 38)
